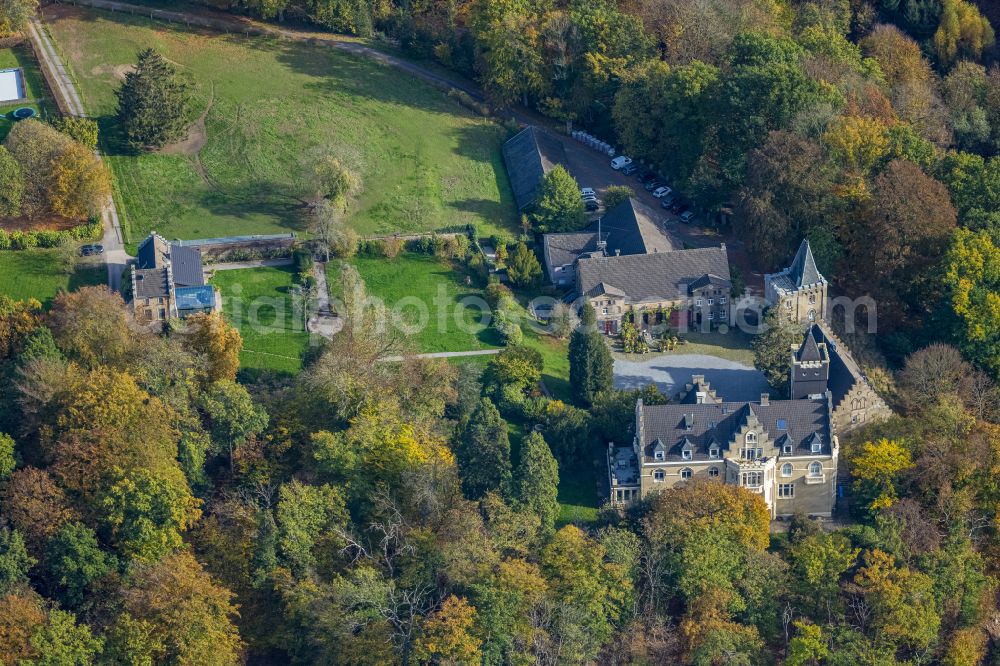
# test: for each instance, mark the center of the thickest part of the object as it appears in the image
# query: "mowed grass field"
(35, 88)
(425, 296)
(37, 274)
(268, 105)
(259, 303)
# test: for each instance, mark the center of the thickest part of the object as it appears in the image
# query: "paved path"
(239, 265)
(69, 100)
(732, 381)
(478, 352)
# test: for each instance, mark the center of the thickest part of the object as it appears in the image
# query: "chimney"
(722, 245)
(765, 399)
(698, 379)
(618, 252)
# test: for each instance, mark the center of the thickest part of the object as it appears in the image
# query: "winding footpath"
(70, 103)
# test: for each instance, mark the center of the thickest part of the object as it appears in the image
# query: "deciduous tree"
(876, 467)
(217, 343)
(15, 14)
(74, 561)
(448, 636)
(772, 349)
(962, 31)
(559, 206)
(11, 184)
(233, 418)
(80, 184)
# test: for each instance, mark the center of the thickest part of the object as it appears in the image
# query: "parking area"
(593, 169)
(732, 381)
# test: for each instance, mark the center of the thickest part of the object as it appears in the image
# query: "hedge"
(25, 240)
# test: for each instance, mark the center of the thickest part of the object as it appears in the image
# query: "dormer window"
(713, 452)
(787, 448)
(816, 446)
(658, 455)
(686, 455)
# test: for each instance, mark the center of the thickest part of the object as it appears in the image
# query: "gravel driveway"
(732, 381)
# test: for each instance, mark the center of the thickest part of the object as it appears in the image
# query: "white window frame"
(817, 447)
(787, 469)
(686, 473)
(713, 453)
(685, 455)
(722, 300)
(786, 491)
(813, 466)
(713, 472)
(750, 437)
(658, 455)
(697, 302)
(711, 301)
(711, 316)
(659, 476)
(752, 479)
(812, 299)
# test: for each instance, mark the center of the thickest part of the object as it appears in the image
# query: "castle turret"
(810, 371)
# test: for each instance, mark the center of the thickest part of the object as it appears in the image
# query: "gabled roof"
(707, 280)
(803, 270)
(529, 155)
(152, 251)
(648, 277)
(186, 266)
(151, 283)
(603, 289)
(562, 249)
(715, 424)
(630, 228)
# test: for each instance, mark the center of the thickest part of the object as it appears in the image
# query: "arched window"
(686, 473)
(812, 315)
(812, 299)
(658, 475)
(786, 469)
(751, 437)
(815, 469)
(713, 472)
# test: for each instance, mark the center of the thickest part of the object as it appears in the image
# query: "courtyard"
(732, 380)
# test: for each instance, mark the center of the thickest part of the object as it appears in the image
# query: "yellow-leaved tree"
(876, 467)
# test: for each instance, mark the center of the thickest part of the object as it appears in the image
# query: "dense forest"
(160, 507)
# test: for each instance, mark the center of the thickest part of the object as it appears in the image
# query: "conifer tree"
(483, 452)
(538, 480)
(591, 368)
(152, 103)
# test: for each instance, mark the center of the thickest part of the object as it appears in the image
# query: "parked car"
(587, 192)
(620, 161)
(667, 200)
(653, 184)
(629, 169)
(591, 204)
(687, 216)
(661, 191)
(88, 250)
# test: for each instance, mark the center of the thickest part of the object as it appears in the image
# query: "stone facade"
(855, 402)
(784, 450)
(692, 285)
(167, 281)
(800, 291)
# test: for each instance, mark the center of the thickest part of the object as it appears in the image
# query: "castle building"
(824, 363)
(784, 450)
(799, 291)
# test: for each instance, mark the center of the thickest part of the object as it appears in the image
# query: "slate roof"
(151, 283)
(715, 425)
(186, 266)
(649, 277)
(529, 155)
(152, 251)
(844, 370)
(630, 228)
(563, 249)
(710, 280)
(803, 270)
(809, 351)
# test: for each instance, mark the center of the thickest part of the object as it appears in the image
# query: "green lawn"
(36, 90)
(419, 288)
(37, 274)
(259, 303)
(732, 346)
(425, 162)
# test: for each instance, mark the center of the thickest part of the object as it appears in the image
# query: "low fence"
(242, 248)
